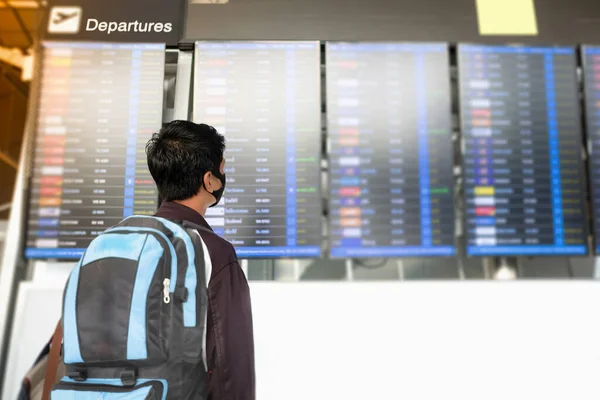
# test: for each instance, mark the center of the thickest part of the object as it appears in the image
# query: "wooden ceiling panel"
(30, 18)
(11, 31)
(8, 175)
(14, 39)
(7, 20)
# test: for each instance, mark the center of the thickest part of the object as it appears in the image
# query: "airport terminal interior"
(442, 189)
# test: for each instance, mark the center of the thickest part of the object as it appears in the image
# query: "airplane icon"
(61, 17)
(65, 19)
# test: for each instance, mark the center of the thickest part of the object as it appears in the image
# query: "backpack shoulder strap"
(53, 360)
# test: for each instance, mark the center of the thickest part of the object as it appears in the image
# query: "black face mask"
(219, 192)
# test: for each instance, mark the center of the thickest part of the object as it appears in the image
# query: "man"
(187, 164)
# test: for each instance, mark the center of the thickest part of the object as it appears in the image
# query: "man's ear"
(207, 181)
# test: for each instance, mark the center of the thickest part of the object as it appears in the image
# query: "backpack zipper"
(166, 293)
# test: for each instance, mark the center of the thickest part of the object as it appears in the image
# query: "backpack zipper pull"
(166, 294)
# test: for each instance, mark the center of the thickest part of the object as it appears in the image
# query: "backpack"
(134, 315)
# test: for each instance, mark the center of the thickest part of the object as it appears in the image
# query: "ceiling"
(18, 25)
(18, 22)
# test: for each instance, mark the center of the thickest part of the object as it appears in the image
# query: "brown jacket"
(230, 338)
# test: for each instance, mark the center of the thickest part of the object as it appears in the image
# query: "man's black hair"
(179, 156)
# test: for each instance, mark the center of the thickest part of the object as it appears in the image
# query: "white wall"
(455, 340)
(430, 340)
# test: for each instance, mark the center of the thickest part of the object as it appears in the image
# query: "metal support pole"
(349, 270)
(297, 270)
(400, 267)
(461, 269)
(12, 268)
(596, 267)
(183, 84)
(488, 268)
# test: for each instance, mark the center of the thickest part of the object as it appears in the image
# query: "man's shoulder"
(222, 253)
(215, 241)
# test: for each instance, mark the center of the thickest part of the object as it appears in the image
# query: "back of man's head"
(179, 156)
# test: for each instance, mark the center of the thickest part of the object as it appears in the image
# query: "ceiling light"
(19, 4)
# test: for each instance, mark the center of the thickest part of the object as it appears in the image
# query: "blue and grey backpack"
(134, 315)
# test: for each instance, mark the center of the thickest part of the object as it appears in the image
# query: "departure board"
(591, 68)
(522, 136)
(390, 150)
(265, 97)
(99, 105)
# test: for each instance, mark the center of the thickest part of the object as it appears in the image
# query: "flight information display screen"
(265, 97)
(99, 105)
(591, 68)
(390, 150)
(522, 135)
